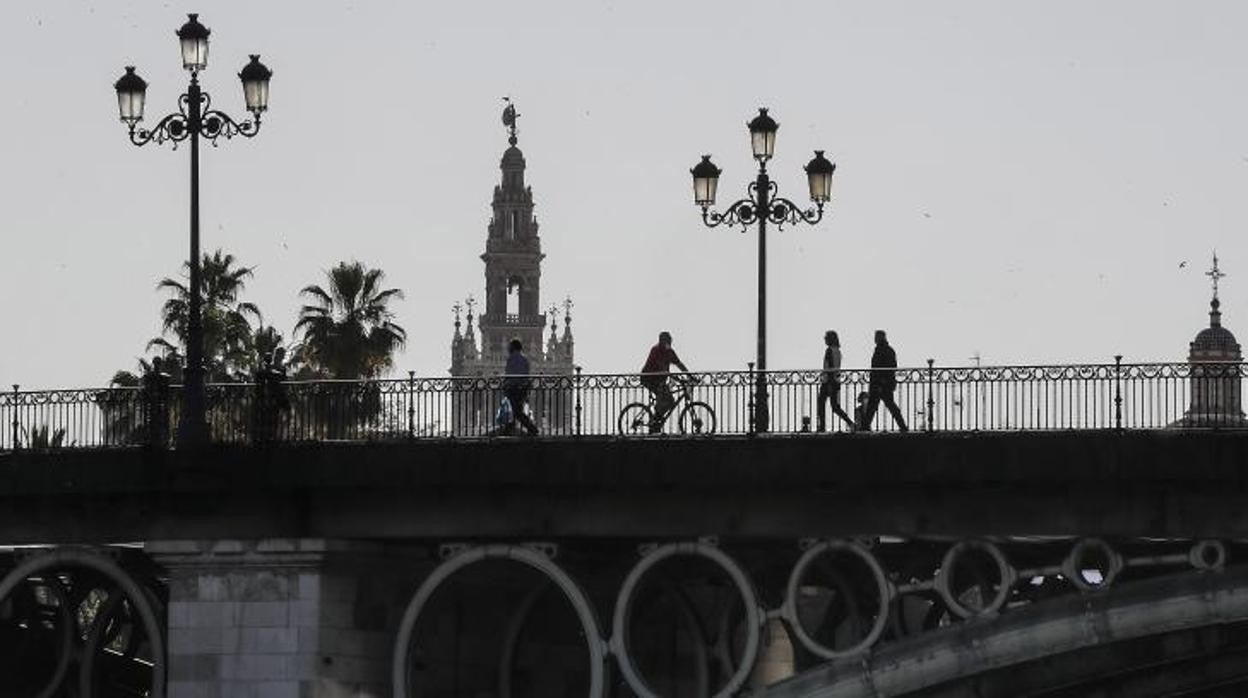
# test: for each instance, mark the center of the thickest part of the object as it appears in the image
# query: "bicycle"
(696, 417)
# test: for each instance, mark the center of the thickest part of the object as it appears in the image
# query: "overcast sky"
(1022, 180)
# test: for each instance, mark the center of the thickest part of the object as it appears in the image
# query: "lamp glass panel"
(820, 186)
(763, 144)
(704, 190)
(130, 105)
(256, 94)
(194, 53)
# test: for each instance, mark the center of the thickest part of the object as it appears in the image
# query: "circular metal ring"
(753, 614)
(59, 558)
(525, 556)
(1201, 552)
(67, 627)
(86, 665)
(1072, 566)
(883, 586)
(1005, 571)
(512, 636)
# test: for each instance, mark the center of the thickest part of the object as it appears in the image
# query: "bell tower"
(512, 309)
(513, 257)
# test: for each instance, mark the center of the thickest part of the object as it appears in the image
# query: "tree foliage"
(229, 343)
(347, 329)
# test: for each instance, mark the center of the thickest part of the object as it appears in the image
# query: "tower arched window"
(513, 297)
(515, 224)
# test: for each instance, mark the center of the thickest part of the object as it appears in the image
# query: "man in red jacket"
(654, 377)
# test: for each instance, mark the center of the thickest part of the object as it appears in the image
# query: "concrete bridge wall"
(1157, 483)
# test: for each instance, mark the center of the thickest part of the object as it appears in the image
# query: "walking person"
(883, 383)
(830, 383)
(516, 385)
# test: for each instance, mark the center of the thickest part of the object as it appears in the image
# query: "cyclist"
(654, 377)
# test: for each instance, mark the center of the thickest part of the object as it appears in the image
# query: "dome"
(1215, 342)
(1215, 339)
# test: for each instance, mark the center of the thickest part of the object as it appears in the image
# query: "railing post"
(931, 401)
(1118, 392)
(750, 430)
(578, 400)
(411, 404)
(17, 444)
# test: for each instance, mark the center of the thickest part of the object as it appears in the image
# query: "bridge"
(1041, 530)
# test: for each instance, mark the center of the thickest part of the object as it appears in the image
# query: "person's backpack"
(504, 416)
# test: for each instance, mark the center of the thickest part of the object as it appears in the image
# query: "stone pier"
(282, 618)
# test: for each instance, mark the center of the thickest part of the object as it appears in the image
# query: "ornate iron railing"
(930, 398)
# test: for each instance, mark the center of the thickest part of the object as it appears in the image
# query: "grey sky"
(1021, 180)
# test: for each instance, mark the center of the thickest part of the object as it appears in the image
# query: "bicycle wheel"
(635, 419)
(697, 418)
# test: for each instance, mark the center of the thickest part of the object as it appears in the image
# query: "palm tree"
(121, 403)
(347, 329)
(228, 339)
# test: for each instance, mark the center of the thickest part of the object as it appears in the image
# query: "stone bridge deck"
(1162, 483)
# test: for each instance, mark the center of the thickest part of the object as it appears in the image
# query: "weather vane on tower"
(509, 120)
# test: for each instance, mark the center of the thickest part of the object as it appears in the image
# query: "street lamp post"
(194, 119)
(762, 204)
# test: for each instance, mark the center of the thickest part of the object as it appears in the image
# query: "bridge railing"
(928, 398)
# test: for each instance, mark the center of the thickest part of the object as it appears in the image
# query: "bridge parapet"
(931, 398)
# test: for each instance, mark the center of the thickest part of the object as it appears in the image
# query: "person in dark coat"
(270, 397)
(156, 404)
(883, 383)
(516, 384)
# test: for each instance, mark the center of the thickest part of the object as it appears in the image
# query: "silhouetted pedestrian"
(156, 402)
(270, 397)
(883, 383)
(516, 384)
(860, 408)
(830, 383)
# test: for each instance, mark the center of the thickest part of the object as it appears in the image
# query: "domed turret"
(1216, 364)
(1215, 342)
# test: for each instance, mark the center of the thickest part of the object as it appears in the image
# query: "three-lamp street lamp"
(194, 119)
(762, 204)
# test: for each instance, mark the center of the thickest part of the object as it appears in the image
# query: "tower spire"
(1215, 275)
(471, 303)
(567, 318)
(552, 344)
